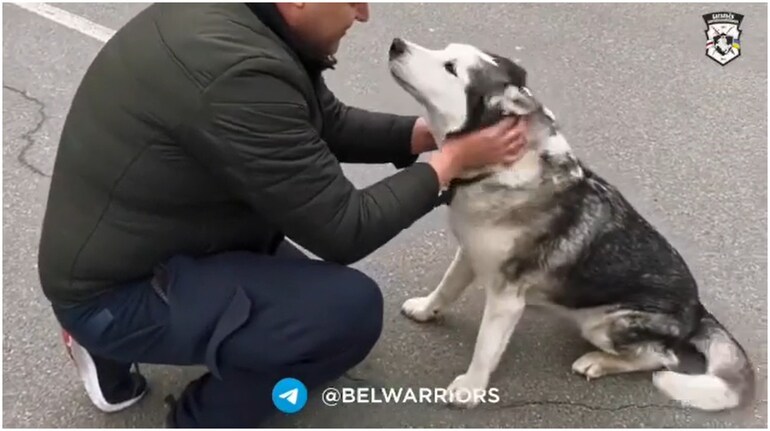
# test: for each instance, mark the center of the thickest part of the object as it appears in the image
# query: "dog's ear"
(514, 73)
(515, 100)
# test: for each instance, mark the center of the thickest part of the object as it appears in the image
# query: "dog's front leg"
(457, 277)
(502, 311)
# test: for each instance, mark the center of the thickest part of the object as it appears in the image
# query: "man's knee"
(361, 309)
(353, 326)
(328, 326)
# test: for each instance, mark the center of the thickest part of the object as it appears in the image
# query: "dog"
(549, 232)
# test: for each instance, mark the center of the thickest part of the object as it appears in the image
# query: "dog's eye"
(450, 67)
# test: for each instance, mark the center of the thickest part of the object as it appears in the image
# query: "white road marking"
(68, 19)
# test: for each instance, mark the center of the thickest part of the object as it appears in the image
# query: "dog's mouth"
(406, 85)
(396, 73)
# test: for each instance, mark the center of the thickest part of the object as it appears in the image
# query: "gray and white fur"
(549, 232)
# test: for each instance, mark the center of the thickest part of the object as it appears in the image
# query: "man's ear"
(515, 100)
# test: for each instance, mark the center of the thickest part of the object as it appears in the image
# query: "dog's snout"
(397, 48)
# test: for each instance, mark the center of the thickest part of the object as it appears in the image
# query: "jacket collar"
(269, 15)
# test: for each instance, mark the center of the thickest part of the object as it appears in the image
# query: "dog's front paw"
(466, 391)
(591, 365)
(419, 309)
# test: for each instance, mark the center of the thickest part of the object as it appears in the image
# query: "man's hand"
(422, 138)
(503, 142)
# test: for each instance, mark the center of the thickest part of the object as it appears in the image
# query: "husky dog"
(548, 231)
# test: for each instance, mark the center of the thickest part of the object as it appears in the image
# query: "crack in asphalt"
(29, 135)
(519, 404)
(354, 378)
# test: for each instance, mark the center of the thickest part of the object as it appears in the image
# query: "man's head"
(319, 27)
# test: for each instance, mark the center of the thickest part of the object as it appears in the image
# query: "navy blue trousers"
(250, 319)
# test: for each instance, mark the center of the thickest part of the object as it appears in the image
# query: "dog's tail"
(729, 378)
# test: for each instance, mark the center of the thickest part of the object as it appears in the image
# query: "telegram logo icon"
(289, 395)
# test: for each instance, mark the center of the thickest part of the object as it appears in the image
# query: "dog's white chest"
(487, 245)
(525, 171)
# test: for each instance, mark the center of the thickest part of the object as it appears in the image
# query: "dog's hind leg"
(645, 357)
(502, 312)
(456, 279)
(629, 341)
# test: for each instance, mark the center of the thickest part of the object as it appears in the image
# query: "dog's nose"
(397, 48)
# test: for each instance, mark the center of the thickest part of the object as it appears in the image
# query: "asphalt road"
(683, 137)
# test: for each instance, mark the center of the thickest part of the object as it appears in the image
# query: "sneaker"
(110, 385)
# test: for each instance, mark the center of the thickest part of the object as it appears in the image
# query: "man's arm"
(359, 136)
(252, 131)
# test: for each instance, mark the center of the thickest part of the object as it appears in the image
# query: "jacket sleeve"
(252, 130)
(356, 135)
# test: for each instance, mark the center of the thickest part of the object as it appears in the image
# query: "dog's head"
(462, 87)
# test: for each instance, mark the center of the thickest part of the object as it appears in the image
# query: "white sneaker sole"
(87, 372)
